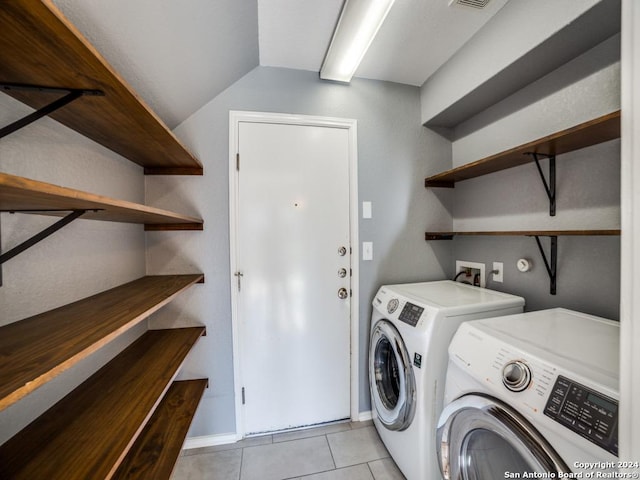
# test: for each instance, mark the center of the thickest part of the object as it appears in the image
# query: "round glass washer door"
(482, 438)
(391, 378)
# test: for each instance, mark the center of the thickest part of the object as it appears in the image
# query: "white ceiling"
(178, 55)
(418, 36)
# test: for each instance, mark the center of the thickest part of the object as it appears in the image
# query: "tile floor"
(344, 451)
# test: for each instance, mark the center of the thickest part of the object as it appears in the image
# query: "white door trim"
(235, 117)
(629, 415)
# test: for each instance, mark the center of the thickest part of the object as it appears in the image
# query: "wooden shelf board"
(524, 233)
(23, 194)
(39, 46)
(595, 131)
(157, 448)
(37, 349)
(88, 433)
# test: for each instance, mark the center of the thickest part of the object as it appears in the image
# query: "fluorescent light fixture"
(359, 22)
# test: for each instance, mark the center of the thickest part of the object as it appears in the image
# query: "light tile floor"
(343, 451)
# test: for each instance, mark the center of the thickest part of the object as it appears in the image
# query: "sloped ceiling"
(180, 54)
(176, 54)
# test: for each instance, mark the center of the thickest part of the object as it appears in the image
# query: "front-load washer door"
(481, 438)
(391, 378)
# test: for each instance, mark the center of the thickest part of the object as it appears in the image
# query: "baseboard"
(226, 438)
(210, 440)
(364, 416)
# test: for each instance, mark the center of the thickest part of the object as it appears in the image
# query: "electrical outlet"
(498, 272)
(474, 273)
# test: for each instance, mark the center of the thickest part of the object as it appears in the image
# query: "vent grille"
(470, 3)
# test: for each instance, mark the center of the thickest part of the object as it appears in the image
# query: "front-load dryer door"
(391, 378)
(481, 438)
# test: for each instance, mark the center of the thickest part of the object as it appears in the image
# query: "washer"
(411, 327)
(535, 392)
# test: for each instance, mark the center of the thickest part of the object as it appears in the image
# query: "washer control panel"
(411, 314)
(586, 412)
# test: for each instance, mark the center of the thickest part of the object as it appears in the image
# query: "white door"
(292, 245)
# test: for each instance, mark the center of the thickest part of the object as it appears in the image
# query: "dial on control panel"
(392, 306)
(516, 375)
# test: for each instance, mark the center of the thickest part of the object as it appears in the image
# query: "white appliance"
(535, 392)
(411, 327)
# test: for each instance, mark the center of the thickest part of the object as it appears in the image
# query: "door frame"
(235, 118)
(629, 414)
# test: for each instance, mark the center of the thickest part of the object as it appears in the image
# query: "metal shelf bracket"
(18, 249)
(71, 95)
(551, 264)
(550, 186)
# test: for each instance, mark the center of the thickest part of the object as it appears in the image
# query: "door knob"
(342, 293)
(342, 272)
(342, 251)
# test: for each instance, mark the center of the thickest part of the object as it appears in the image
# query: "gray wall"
(588, 186)
(394, 155)
(84, 258)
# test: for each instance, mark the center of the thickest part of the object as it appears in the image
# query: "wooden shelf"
(156, 450)
(89, 432)
(23, 194)
(39, 46)
(596, 131)
(522, 233)
(550, 262)
(35, 350)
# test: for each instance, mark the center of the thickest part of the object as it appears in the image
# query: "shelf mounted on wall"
(592, 132)
(24, 195)
(71, 94)
(551, 261)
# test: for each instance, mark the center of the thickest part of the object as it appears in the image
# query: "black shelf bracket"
(18, 249)
(71, 95)
(550, 263)
(550, 186)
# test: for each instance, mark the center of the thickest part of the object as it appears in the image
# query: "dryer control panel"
(585, 411)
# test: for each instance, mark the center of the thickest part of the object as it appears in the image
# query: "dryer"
(411, 327)
(533, 393)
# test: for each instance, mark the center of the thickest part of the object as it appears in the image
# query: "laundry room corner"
(394, 154)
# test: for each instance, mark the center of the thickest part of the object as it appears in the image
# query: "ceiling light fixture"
(357, 26)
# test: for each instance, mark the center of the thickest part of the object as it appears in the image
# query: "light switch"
(366, 209)
(367, 250)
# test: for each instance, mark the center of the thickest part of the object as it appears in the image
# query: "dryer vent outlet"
(472, 273)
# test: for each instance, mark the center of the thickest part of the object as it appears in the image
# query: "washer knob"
(392, 306)
(516, 375)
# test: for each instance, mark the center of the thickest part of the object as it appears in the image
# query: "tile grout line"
(241, 463)
(326, 439)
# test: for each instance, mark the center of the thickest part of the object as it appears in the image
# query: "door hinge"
(239, 276)
(238, 161)
(243, 398)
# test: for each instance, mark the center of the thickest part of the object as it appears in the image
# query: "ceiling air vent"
(470, 3)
